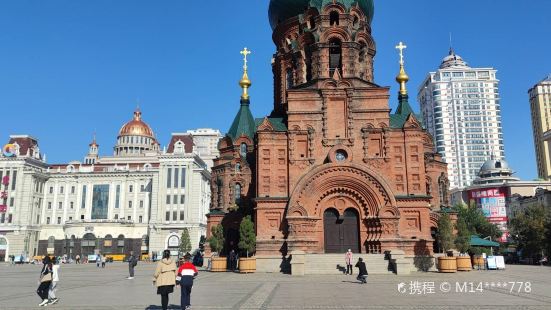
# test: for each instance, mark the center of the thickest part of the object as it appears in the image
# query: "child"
(186, 273)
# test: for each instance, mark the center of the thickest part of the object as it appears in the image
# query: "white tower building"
(460, 107)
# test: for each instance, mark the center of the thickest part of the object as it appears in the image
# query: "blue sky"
(69, 68)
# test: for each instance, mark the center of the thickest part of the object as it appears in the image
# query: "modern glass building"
(461, 109)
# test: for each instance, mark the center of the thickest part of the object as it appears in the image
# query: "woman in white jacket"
(52, 299)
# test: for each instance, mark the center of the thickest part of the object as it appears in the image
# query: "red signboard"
(3, 208)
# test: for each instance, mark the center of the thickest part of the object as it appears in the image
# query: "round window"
(341, 155)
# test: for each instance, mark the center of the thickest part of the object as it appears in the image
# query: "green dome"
(281, 10)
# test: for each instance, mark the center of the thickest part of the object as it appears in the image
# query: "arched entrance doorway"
(88, 244)
(341, 232)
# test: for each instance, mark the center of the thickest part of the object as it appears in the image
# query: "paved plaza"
(87, 287)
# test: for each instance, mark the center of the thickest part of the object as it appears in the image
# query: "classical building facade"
(540, 108)
(331, 167)
(140, 198)
(461, 109)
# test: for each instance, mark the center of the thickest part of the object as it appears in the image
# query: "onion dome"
(136, 127)
(282, 10)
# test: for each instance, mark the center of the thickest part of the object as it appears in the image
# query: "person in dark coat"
(132, 262)
(362, 271)
(45, 281)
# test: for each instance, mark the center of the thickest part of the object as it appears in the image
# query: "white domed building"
(494, 190)
(139, 199)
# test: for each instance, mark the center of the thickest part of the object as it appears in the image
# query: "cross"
(245, 52)
(401, 47)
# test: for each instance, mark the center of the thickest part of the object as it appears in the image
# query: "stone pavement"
(87, 287)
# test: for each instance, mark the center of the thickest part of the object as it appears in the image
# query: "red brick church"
(332, 167)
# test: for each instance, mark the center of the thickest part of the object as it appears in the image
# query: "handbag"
(46, 278)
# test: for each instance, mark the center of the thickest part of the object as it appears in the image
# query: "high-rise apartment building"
(540, 106)
(460, 107)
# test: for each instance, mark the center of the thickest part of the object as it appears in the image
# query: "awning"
(477, 241)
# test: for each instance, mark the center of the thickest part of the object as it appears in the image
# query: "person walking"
(362, 271)
(348, 259)
(186, 273)
(77, 258)
(52, 299)
(233, 260)
(165, 278)
(132, 262)
(98, 260)
(103, 261)
(45, 280)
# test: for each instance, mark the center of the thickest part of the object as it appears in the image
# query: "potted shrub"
(445, 238)
(247, 244)
(216, 242)
(463, 244)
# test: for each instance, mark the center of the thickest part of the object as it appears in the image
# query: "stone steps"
(334, 263)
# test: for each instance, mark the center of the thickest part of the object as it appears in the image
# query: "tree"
(216, 240)
(247, 236)
(463, 238)
(476, 222)
(185, 243)
(528, 229)
(445, 232)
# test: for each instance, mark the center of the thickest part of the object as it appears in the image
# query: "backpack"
(134, 262)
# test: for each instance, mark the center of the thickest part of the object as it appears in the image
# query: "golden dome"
(136, 127)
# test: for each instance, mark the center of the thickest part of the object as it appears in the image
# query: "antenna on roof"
(451, 44)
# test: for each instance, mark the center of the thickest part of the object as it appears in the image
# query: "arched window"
(443, 190)
(51, 242)
(108, 241)
(237, 193)
(219, 192)
(356, 21)
(334, 18)
(173, 242)
(289, 78)
(237, 168)
(335, 56)
(243, 149)
(312, 22)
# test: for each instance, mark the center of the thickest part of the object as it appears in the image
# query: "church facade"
(332, 167)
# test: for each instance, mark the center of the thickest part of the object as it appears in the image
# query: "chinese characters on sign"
(492, 203)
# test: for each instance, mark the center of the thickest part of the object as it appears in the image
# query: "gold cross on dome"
(401, 47)
(245, 52)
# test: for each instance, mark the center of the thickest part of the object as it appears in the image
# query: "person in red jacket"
(184, 278)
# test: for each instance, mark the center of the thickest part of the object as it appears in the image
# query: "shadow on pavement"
(152, 307)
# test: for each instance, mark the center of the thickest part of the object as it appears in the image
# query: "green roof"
(277, 123)
(477, 241)
(243, 124)
(399, 118)
(282, 10)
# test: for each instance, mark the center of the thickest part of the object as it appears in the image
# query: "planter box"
(479, 262)
(218, 264)
(447, 264)
(247, 265)
(464, 263)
